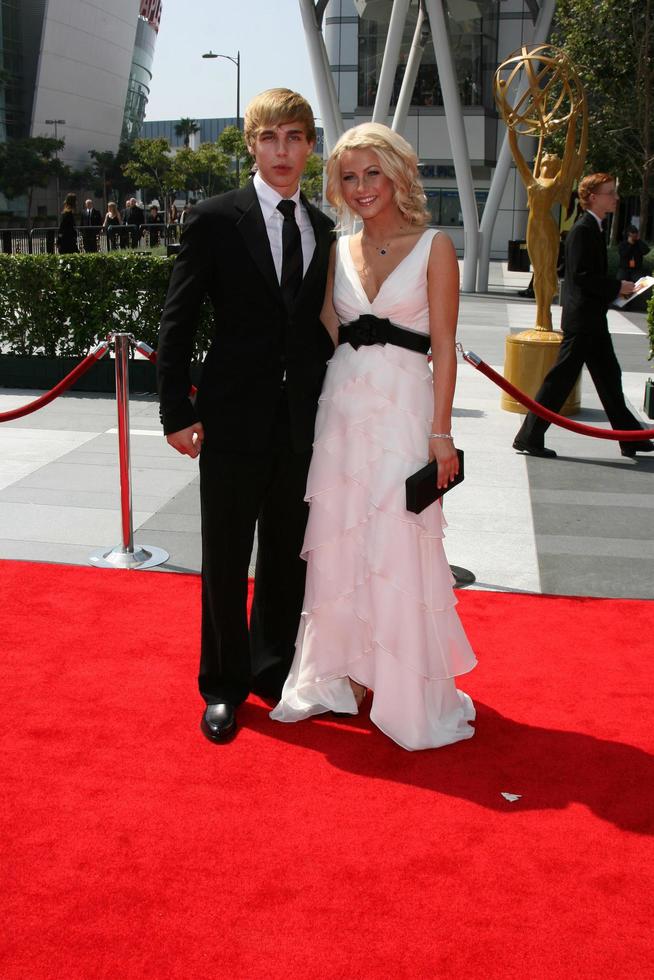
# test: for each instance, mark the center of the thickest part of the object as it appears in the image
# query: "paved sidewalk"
(582, 524)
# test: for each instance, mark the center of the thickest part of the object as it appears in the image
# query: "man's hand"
(188, 441)
(626, 288)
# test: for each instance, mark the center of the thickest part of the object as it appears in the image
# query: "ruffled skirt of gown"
(379, 605)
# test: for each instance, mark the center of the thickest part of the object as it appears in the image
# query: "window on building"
(444, 206)
(13, 117)
(473, 39)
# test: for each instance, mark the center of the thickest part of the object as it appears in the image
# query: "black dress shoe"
(524, 447)
(631, 448)
(219, 722)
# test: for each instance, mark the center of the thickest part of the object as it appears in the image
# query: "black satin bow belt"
(369, 329)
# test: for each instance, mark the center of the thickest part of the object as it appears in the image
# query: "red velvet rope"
(151, 355)
(63, 385)
(628, 435)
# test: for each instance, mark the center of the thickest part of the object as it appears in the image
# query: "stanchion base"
(462, 576)
(145, 556)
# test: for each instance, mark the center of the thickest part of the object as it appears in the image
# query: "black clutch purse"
(421, 489)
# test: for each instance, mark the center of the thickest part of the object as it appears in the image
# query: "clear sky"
(269, 35)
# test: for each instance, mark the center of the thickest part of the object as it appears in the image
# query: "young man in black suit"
(260, 253)
(588, 291)
(90, 218)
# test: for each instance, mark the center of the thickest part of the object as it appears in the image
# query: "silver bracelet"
(441, 435)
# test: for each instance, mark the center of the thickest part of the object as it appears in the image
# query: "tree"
(312, 178)
(611, 44)
(206, 169)
(79, 180)
(186, 128)
(151, 166)
(29, 163)
(107, 172)
(232, 142)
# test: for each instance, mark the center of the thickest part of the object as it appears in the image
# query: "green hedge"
(58, 305)
(64, 304)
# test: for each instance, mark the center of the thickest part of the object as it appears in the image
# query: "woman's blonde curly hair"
(397, 161)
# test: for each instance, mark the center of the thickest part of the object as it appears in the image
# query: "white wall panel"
(84, 68)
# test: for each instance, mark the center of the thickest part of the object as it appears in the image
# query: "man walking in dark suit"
(587, 292)
(260, 253)
(90, 218)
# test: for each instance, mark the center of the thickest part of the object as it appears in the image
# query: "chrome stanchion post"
(125, 555)
(122, 404)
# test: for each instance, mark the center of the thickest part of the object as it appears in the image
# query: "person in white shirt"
(260, 255)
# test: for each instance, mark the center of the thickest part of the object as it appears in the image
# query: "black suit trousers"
(595, 350)
(237, 490)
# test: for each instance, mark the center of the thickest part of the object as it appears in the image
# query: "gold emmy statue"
(538, 92)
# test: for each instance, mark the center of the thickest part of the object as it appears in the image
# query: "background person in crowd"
(134, 216)
(379, 610)
(154, 218)
(110, 223)
(632, 250)
(260, 253)
(90, 218)
(185, 210)
(173, 215)
(67, 231)
(587, 292)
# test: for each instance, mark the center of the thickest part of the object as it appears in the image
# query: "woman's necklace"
(380, 249)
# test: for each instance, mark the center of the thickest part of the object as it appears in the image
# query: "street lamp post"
(55, 123)
(235, 61)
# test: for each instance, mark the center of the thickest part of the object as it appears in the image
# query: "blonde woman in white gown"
(379, 609)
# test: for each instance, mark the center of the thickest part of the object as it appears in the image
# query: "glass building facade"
(472, 27)
(21, 24)
(140, 78)
(481, 33)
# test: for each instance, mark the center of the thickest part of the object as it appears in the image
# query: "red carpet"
(133, 848)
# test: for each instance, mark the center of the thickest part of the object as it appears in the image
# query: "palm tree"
(186, 128)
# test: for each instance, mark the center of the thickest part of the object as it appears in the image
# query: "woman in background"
(111, 221)
(67, 232)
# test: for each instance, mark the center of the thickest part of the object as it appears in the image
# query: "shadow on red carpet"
(132, 847)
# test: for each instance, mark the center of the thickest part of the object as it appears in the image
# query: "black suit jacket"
(587, 289)
(92, 220)
(133, 216)
(225, 254)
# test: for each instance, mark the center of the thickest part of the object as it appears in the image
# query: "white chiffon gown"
(379, 605)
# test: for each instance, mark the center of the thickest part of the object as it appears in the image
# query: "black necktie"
(292, 253)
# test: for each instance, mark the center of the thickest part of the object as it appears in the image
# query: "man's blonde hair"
(274, 107)
(397, 161)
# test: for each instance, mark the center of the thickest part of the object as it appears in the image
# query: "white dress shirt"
(269, 198)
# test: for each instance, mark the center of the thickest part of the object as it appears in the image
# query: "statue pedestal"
(528, 357)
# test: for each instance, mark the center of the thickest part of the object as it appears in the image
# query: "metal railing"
(43, 241)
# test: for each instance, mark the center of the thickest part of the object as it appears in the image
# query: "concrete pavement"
(582, 524)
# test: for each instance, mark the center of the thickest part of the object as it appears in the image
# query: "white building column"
(457, 133)
(327, 99)
(399, 12)
(410, 75)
